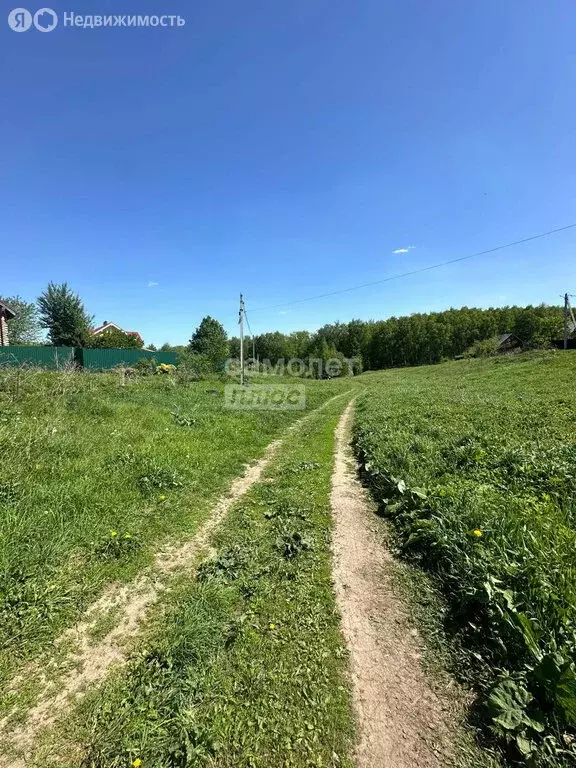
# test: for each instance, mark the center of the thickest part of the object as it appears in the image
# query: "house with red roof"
(107, 326)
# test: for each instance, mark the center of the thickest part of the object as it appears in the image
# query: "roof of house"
(107, 325)
(133, 333)
(9, 312)
(507, 337)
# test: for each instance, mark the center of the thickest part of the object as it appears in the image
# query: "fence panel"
(104, 359)
(92, 359)
(40, 357)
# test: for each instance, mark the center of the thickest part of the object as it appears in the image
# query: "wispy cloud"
(284, 312)
(404, 250)
(152, 284)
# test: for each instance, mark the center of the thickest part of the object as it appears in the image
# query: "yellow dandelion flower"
(477, 532)
(137, 763)
(271, 626)
(113, 533)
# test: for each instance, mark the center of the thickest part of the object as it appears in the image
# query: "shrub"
(485, 348)
(194, 366)
(146, 366)
(166, 369)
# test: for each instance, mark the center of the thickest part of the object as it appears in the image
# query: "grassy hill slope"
(475, 464)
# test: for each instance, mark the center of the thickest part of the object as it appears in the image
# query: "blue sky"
(285, 149)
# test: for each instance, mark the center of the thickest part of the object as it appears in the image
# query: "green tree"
(64, 315)
(25, 327)
(358, 338)
(273, 346)
(234, 347)
(113, 338)
(211, 341)
(299, 344)
(322, 359)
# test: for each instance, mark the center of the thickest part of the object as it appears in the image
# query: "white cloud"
(404, 250)
(284, 312)
(152, 284)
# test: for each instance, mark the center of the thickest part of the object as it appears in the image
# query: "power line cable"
(248, 322)
(419, 270)
(251, 334)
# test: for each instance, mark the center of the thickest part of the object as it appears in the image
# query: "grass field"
(95, 474)
(240, 662)
(475, 464)
(243, 666)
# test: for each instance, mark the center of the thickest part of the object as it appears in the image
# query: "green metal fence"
(37, 357)
(92, 359)
(104, 359)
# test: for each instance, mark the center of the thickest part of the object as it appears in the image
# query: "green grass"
(475, 464)
(242, 667)
(426, 609)
(95, 474)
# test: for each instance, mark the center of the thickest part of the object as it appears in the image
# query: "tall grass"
(475, 464)
(95, 470)
(243, 667)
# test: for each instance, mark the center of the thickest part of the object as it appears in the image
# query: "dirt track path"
(90, 662)
(399, 717)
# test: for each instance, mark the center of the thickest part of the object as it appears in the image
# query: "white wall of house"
(3, 330)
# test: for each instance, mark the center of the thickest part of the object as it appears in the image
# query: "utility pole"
(566, 310)
(241, 322)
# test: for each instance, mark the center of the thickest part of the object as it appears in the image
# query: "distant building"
(559, 343)
(508, 341)
(5, 314)
(109, 326)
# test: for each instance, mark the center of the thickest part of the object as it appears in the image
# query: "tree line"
(417, 339)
